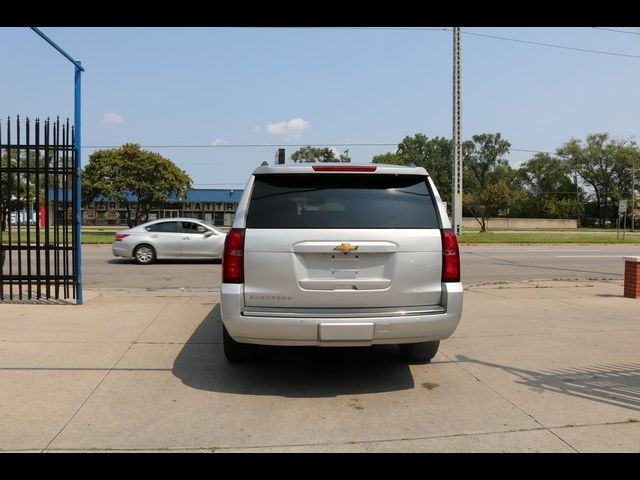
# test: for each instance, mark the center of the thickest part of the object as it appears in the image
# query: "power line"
(386, 28)
(217, 184)
(356, 28)
(253, 145)
(552, 45)
(570, 192)
(531, 151)
(600, 52)
(277, 145)
(616, 30)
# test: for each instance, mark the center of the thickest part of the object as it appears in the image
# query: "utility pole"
(633, 194)
(456, 194)
(575, 176)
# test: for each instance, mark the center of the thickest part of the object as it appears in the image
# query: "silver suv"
(340, 255)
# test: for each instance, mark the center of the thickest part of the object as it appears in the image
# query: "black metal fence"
(37, 201)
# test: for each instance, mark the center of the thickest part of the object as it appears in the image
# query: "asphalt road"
(517, 263)
(480, 264)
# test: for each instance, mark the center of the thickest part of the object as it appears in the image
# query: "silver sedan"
(175, 238)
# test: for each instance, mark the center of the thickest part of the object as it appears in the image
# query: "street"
(504, 263)
(480, 264)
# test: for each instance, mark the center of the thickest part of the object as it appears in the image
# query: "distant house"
(216, 206)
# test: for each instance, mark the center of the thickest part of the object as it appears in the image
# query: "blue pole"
(77, 236)
(78, 211)
(54, 45)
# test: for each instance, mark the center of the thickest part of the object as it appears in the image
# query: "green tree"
(149, 177)
(313, 154)
(546, 181)
(605, 164)
(486, 176)
(27, 187)
(10, 185)
(388, 158)
(433, 154)
(493, 200)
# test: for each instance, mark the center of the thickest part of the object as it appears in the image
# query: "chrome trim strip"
(343, 313)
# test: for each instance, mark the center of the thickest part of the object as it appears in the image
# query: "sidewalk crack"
(104, 378)
(512, 403)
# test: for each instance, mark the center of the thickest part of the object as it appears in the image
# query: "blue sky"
(283, 87)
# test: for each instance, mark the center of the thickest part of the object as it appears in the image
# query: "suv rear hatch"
(342, 241)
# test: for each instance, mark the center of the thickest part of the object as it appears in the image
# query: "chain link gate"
(38, 196)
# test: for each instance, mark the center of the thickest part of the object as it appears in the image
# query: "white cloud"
(292, 128)
(220, 141)
(257, 129)
(112, 118)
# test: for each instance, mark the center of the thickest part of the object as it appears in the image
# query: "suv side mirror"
(208, 233)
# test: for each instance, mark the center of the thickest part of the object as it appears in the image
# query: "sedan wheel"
(145, 254)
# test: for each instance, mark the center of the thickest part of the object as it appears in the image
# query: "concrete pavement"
(534, 366)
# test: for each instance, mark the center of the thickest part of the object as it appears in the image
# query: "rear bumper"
(332, 331)
(120, 250)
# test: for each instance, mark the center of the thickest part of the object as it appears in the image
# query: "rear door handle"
(186, 238)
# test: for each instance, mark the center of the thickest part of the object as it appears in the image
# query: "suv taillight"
(233, 258)
(450, 257)
(120, 236)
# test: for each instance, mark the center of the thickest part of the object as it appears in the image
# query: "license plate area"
(343, 331)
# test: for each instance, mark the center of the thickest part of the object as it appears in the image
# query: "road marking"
(590, 256)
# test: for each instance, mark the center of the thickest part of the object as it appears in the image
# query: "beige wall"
(520, 223)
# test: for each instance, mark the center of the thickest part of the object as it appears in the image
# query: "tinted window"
(341, 201)
(163, 227)
(190, 227)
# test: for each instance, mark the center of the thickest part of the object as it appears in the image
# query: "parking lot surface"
(534, 366)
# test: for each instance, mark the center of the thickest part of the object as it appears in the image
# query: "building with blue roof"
(216, 206)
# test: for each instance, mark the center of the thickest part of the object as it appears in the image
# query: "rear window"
(341, 201)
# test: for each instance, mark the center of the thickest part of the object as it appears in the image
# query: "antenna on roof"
(264, 164)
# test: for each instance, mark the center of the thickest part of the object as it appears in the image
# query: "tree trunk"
(138, 213)
(597, 193)
(474, 216)
(129, 223)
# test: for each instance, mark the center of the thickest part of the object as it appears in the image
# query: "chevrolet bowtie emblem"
(345, 248)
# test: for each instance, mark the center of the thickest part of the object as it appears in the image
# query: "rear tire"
(421, 352)
(144, 254)
(237, 352)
